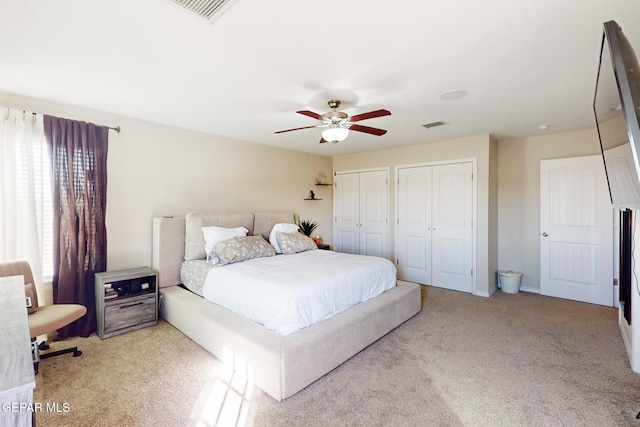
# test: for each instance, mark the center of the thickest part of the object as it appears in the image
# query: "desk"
(17, 378)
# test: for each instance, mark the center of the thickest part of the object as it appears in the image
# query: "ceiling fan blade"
(289, 130)
(367, 129)
(310, 114)
(370, 115)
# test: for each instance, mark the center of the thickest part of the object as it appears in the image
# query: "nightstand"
(126, 300)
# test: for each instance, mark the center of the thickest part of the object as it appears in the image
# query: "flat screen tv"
(617, 109)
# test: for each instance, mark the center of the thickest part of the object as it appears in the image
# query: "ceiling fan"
(338, 124)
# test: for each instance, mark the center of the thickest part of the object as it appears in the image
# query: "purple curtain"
(78, 153)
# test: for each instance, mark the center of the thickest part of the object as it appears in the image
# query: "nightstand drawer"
(129, 313)
(126, 300)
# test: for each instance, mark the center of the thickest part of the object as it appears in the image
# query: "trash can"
(509, 281)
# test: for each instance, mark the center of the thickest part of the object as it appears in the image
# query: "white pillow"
(283, 227)
(214, 235)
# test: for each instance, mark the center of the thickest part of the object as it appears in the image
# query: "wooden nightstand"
(126, 300)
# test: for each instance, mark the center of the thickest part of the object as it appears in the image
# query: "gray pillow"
(238, 249)
(293, 243)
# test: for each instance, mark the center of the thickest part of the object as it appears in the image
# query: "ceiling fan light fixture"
(337, 124)
(335, 134)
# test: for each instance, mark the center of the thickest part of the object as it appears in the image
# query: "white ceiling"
(523, 63)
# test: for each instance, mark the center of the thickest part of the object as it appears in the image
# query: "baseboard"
(526, 289)
(483, 294)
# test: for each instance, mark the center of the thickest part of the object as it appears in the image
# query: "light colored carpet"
(508, 360)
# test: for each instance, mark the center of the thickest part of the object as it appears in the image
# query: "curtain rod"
(117, 128)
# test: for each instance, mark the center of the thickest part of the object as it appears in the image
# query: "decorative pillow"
(193, 274)
(30, 300)
(194, 221)
(214, 234)
(292, 243)
(239, 249)
(282, 227)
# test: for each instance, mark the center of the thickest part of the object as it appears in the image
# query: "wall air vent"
(209, 10)
(435, 124)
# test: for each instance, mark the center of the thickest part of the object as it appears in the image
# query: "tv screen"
(617, 109)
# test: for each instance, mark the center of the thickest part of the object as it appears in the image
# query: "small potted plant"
(307, 226)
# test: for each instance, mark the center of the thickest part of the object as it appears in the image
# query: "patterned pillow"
(239, 249)
(292, 243)
(215, 234)
(282, 227)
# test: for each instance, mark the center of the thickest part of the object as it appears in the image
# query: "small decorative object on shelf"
(312, 196)
(318, 240)
(321, 178)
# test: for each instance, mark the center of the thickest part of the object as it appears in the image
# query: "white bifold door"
(435, 229)
(361, 213)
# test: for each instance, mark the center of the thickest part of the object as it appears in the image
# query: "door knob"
(544, 235)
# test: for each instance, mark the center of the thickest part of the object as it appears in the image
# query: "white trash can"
(509, 281)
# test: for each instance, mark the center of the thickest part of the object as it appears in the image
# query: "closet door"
(414, 224)
(373, 213)
(346, 213)
(361, 202)
(452, 228)
(435, 230)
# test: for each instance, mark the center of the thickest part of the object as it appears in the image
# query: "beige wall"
(161, 170)
(157, 170)
(481, 147)
(519, 196)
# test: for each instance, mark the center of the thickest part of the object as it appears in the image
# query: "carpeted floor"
(508, 360)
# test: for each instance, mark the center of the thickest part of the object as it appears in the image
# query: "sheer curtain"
(79, 179)
(25, 192)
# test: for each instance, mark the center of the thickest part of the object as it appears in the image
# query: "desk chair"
(46, 318)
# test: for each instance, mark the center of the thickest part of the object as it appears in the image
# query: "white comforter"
(289, 292)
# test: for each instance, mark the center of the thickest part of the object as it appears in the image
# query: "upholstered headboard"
(194, 239)
(178, 238)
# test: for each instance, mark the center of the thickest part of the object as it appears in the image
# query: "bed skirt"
(284, 365)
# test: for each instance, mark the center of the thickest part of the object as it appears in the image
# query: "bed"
(282, 364)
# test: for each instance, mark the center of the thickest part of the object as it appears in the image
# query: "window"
(44, 205)
(26, 213)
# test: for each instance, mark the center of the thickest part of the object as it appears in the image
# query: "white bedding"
(289, 292)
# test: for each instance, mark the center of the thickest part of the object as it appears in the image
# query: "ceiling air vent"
(434, 124)
(210, 10)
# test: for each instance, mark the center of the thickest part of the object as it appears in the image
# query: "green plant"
(307, 226)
